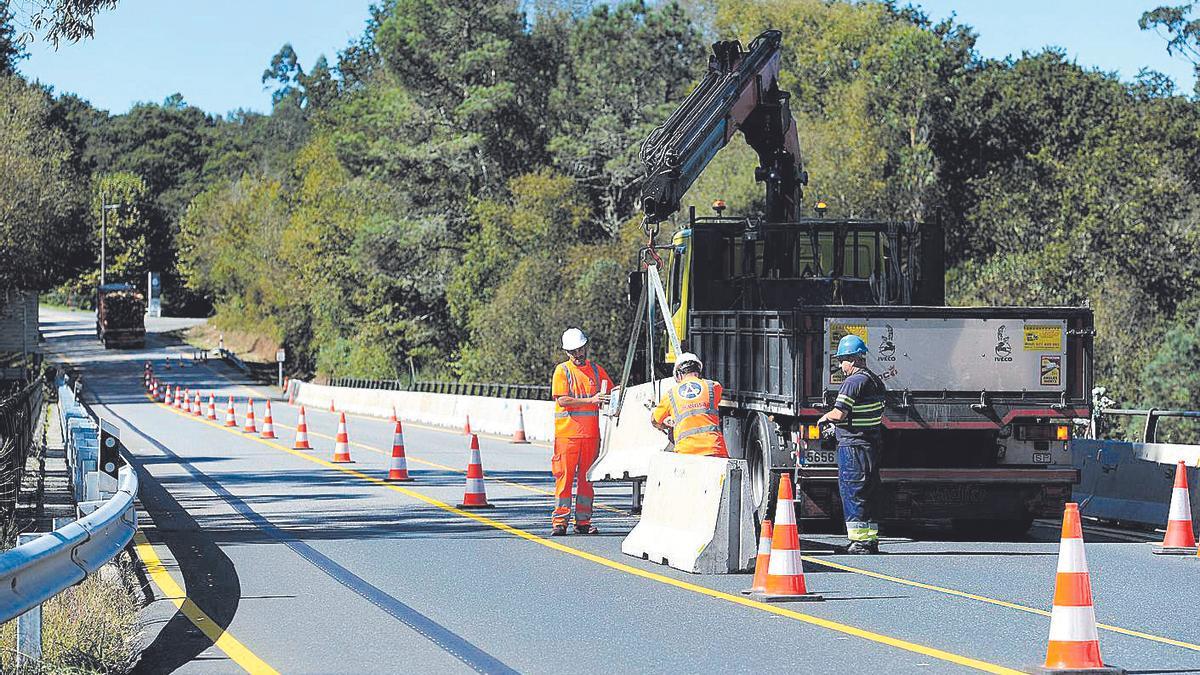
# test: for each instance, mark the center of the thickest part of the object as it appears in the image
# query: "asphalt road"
(295, 564)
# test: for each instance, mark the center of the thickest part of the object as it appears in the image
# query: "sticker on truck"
(1043, 338)
(837, 331)
(1051, 370)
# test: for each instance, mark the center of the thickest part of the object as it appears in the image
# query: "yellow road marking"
(612, 564)
(848, 568)
(219, 636)
(990, 601)
(387, 453)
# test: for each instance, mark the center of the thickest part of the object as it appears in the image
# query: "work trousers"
(573, 457)
(858, 481)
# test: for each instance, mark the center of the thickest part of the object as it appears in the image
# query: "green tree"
(1179, 29)
(11, 49)
(41, 211)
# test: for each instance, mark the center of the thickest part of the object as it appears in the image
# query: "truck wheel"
(760, 446)
(992, 529)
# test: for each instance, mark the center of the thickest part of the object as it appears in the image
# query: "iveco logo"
(887, 347)
(1003, 346)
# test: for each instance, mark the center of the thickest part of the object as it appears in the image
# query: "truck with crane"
(981, 401)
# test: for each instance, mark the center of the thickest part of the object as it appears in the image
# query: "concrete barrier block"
(697, 515)
(630, 441)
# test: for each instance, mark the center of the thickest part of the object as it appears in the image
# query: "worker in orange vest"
(579, 388)
(688, 411)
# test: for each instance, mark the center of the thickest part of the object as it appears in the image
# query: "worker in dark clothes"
(857, 416)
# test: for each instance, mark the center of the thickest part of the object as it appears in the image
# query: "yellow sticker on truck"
(1043, 338)
(837, 331)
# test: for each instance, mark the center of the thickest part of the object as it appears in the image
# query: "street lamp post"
(104, 209)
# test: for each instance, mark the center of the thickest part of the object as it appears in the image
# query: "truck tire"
(761, 443)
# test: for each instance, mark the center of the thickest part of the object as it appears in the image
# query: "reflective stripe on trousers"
(572, 459)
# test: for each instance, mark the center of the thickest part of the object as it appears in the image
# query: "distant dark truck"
(120, 316)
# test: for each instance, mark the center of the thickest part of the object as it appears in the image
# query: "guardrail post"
(29, 626)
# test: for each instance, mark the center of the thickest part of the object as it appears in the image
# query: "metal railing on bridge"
(492, 389)
(20, 414)
(47, 564)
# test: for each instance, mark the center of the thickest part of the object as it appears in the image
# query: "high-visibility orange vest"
(697, 428)
(577, 421)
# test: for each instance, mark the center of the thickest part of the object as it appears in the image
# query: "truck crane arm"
(740, 92)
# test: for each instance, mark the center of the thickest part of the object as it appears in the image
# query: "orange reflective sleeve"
(661, 411)
(558, 385)
(604, 378)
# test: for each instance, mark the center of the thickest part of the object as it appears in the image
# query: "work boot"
(558, 531)
(586, 529)
(863, 548)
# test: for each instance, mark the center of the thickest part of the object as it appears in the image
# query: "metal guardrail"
(1152, 415)
(38, 570)
(491, 389)
(229, 356)
(20, 416)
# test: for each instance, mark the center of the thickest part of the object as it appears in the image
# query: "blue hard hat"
(851, 345)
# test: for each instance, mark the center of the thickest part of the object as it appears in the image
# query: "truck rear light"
(813, 432)
(1040, 432)
(1062, 432)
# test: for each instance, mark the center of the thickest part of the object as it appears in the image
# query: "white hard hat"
(573, 338)
(687, 357)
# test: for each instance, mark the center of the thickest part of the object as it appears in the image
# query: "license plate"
(820, 457)
(1041, 458)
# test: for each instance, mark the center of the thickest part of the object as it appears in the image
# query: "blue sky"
(214, 52)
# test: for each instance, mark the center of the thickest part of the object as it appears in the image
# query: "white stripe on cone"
(785, 563)
(1180, 508)
(1071, 557)
(475, 486)
(1073, 624)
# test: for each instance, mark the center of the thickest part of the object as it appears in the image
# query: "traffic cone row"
(1180, 538)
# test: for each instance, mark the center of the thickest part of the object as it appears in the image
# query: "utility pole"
(104, 209)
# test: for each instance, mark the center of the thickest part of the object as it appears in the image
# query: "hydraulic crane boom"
(740, 92)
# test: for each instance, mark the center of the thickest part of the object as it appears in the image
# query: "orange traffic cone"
(398, 469)
(212, 406)
(519, 434)
(1074, 643)
(167, 398)
(393, 417)
(475, 496)
(763, 561)
(268, 430)
(230, 416)
(154, 390)
(341, 449)
(301, 433)
(250, 428)
(179, 398)
(197, 407)
(331, 408)
(291, 397)
(467, 426)
(785, 570)
(1180, 538)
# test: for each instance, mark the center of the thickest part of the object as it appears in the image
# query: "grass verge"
(89, 628)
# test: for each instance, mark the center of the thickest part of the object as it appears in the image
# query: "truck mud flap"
(629, 441)
(1131, 482)
(697, 516)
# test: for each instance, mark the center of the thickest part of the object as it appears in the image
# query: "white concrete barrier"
(697, 515)
(488, 414)
(629, 442)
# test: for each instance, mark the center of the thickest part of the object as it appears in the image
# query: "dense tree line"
(460, 184)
